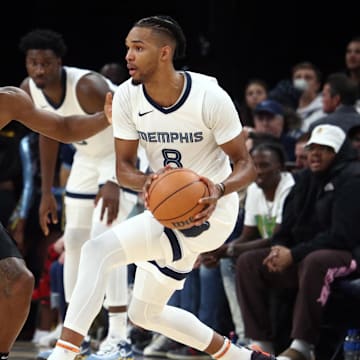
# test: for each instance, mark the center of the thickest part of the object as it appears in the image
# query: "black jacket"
(322, 211)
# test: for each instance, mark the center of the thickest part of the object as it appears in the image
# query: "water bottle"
(350, 345)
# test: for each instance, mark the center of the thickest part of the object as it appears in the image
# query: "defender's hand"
(110, 195)
(47, 212)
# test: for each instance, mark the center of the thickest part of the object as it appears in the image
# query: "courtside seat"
(341, 313)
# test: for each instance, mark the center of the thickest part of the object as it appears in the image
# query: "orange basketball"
(173, 197)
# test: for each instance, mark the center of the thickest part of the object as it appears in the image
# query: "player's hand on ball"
(150, 178)
(209, 202)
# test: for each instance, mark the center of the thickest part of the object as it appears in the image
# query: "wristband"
(114, 180)
(221, 188)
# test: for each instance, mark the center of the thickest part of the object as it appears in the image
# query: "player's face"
(43, 66)
(143, 54)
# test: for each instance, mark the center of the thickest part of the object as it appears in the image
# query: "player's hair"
(166, 25)
(43, 39)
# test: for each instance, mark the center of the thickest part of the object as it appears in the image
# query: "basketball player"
(16, 281)
(69, 90)
(182, 119)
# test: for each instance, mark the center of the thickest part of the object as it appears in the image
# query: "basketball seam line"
(182, 214)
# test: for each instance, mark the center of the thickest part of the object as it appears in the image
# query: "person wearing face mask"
(307, 79)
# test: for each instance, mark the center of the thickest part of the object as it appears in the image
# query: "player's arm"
(126, 171)
(244, 172)
(16, 104)
(48, 153)
(221, 116)
(66, 129)
(242, 175)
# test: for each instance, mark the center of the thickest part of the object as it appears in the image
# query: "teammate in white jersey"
(69, 90)
(183, 120)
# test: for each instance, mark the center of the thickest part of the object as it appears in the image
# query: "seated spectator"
(307, 79)
(300, 152)
(286, 94)
(300, 97)
(269, 117)
(354, 136)
(263, 203)
(313, 246)
(263, 210)
(352, 64)
(339, 98)
(255, 92)
(301, 161)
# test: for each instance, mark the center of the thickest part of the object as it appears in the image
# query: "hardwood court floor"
(26, 350)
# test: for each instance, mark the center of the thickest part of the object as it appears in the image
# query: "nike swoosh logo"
(144, 113)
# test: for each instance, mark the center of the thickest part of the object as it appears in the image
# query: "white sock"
(301, 346)
(118, 325)
(234, 353)
(64, 351)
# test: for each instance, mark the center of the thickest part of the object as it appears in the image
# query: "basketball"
(173, 197)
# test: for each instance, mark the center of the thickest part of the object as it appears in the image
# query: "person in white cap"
(316, 243)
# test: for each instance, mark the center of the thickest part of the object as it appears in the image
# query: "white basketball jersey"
(187, 134)
(100, 144)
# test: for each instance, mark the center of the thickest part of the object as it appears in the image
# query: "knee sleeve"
(142, 314)
(77, 232)
(98, 258)
(117, 287)
(74, 239)
(175, 323)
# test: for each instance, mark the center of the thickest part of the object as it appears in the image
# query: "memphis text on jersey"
(171, 137)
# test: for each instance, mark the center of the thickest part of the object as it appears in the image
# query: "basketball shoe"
(113, 349)
(258, 354)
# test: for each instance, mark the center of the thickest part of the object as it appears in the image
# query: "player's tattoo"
(10, 271)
